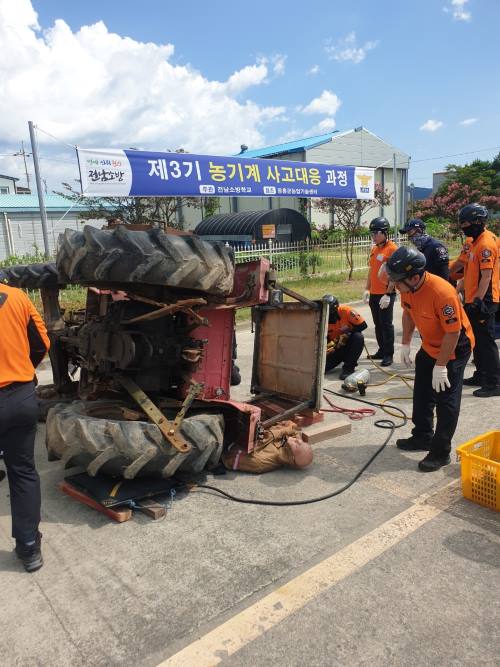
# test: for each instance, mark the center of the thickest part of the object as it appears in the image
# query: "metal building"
(281, 224)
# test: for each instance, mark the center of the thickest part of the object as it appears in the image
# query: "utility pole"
(396, 233)
(41, 200)
(24, 154)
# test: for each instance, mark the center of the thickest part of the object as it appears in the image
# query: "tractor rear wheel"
(78, 436)
(152, 257)
(31, 276)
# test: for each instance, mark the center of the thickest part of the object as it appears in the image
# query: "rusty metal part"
(298, 297)
(167, 309)
(287, 413)
(156, 415)
(192, 355)
(193, 391)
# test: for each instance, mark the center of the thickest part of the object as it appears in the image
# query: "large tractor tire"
(31, 276)
(151, 257)
(128, 448)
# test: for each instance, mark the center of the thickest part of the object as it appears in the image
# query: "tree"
(480, 175)
(348, 214)
(445, 207)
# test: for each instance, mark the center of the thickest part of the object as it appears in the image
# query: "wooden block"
(329, 428)
(151, 508)
(119, 514)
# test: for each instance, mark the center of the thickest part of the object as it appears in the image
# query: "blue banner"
(128, 173)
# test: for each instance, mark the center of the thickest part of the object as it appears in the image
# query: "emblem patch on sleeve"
(448, 310)
(486, 253)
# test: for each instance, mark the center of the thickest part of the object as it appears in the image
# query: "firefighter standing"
(481, 286)
(23, 344)
(378, 294)
(435, 253)
(432, 306)
(344, 339)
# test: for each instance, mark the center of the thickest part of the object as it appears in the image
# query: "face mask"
(473, 230)
(420, 240)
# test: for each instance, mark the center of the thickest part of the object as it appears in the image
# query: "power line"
(440, 157)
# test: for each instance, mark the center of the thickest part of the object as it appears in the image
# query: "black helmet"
(473, 213)
(379, 224)
(416, 223)
(405, 263)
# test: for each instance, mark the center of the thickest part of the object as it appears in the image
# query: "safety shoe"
(386, 361)
(413, 444)
(486, 392)
(431, 462)
(345, 373)
(473, 381)
(30, 555)
(377, 356)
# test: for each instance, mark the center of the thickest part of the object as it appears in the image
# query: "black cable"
(380, 423)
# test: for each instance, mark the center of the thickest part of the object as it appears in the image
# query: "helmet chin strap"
(382, 242)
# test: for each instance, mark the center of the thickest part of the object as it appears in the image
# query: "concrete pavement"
(398, 570)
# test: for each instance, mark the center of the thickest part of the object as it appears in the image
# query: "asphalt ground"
(398, 570)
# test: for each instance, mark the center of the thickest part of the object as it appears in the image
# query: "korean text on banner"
(126, 173)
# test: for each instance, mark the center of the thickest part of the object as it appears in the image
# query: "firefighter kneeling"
(432, 306)
(344, 339)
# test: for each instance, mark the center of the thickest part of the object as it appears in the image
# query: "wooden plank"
(119, 514)
(329, 428)
(151, 508)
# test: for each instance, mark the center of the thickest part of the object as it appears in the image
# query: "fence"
(308, 258)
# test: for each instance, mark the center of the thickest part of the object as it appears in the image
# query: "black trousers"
(446, 403)
(384, 328)
(486, 355)
(18, 421)
(348, 353)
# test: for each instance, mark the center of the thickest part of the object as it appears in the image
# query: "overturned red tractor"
(142, 375)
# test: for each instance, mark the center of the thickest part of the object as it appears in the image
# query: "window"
(4, 189)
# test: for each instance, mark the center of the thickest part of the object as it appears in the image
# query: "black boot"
(378, 355)
(30, 555)
(487, 392)
(386, 361)
(432, 462)
(473, 381)
(414, 444)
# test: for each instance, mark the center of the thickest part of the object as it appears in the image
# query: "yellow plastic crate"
(480, 464)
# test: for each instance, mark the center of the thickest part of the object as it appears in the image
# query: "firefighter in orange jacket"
(23, 344)
(481, 266)
(432, 306)
(344, 339)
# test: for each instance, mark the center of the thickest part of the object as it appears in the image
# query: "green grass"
(314, 288)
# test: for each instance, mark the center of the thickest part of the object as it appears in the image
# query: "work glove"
(405, 355)
(366, 296)
(440, 380)
(384, 302)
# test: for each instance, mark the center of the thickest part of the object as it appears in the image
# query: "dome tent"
(280, 224)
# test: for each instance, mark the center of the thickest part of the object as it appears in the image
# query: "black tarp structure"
(280, 224)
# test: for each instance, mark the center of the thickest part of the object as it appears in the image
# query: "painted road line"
(251, 623)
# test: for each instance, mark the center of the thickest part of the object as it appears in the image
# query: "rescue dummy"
(287, 452)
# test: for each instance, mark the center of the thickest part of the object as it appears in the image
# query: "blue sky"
(255, 73)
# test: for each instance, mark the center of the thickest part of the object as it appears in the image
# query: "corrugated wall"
(26, 232)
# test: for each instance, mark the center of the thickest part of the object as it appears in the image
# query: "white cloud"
(327, 103)
(346, 49)
(468, 121)
(93, 87)
(431, 125)
(313, 70)
(278, 64)
(457, 9)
